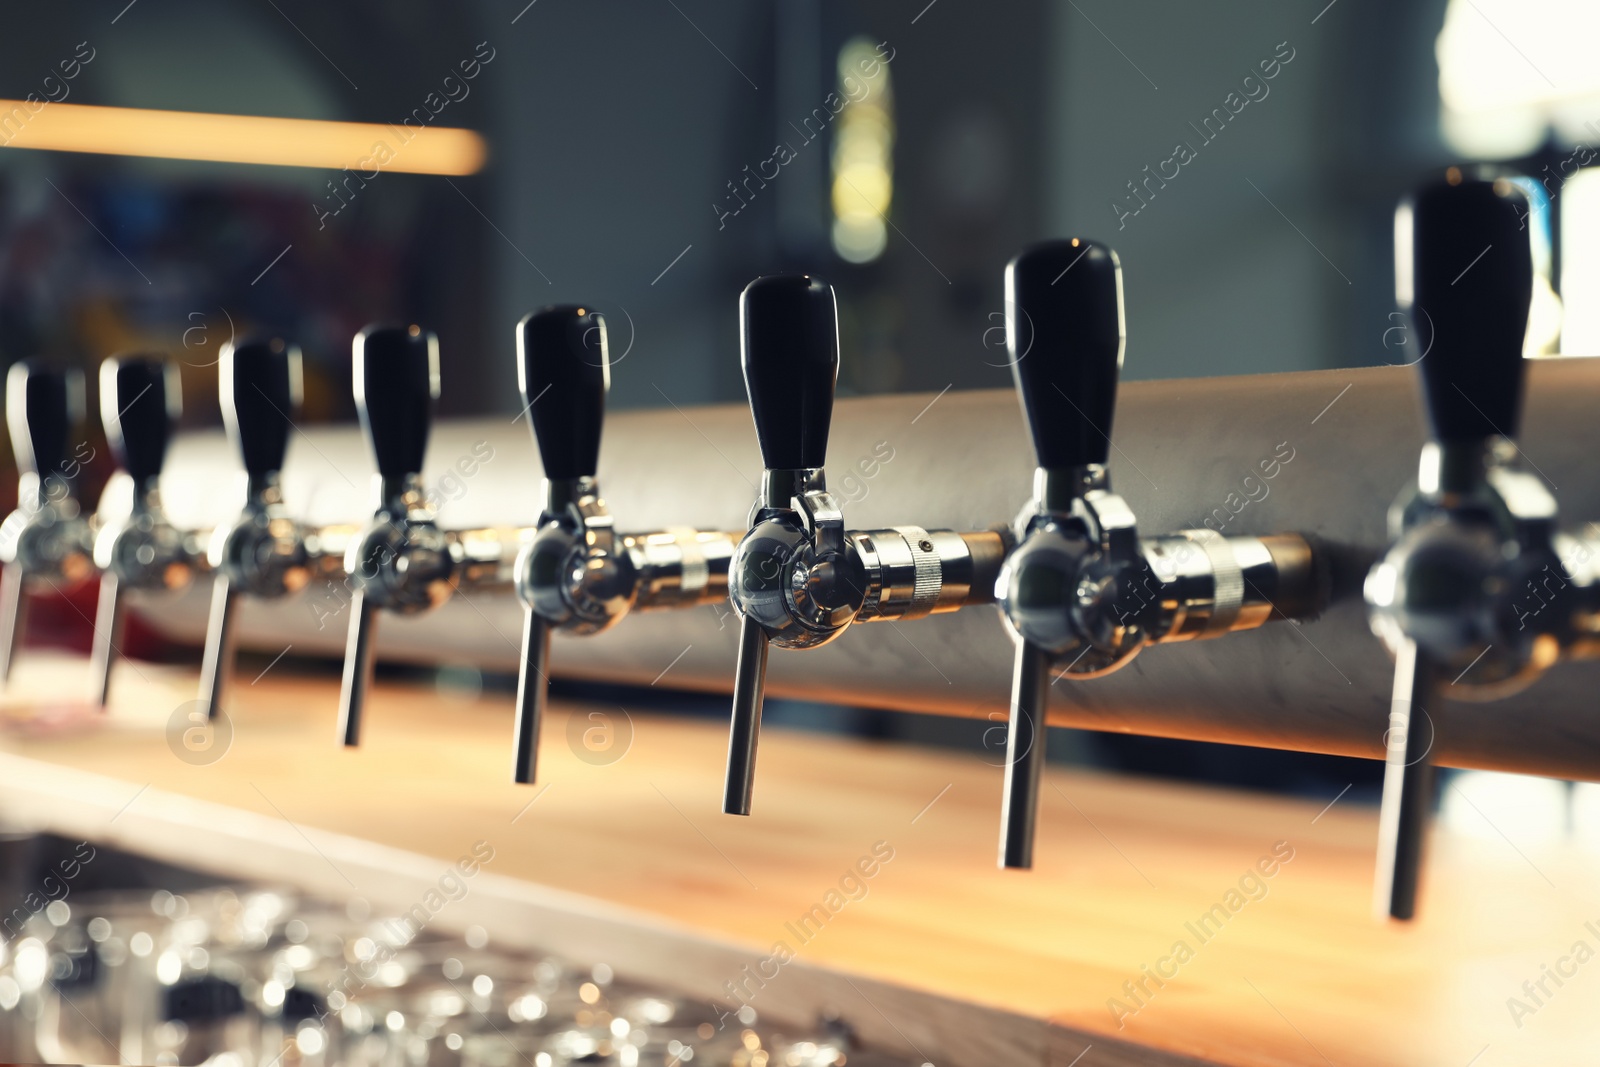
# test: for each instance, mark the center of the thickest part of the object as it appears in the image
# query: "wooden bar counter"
(1163, 924)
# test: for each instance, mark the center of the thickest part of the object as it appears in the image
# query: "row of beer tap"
(1079, 587)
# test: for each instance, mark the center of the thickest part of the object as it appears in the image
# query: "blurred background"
(649, 158)
(654, 156)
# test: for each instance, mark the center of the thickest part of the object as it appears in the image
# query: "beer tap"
(577, 574)
(1083, 593)
(262, 552)
(401, 561)
(798, 578)
(570, 574)
(1476, 540)
(137, 547)
(47, 536)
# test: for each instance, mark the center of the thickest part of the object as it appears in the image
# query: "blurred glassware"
(257, 977)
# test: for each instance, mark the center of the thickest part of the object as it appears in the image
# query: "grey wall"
(610, 129)
(1219, 279)
(611, 155)
(614, 127)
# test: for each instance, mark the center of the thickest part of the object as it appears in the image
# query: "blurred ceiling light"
(863, 162)
(277, 142)
(1580, 263)
(1511, 70)
(1546, 311)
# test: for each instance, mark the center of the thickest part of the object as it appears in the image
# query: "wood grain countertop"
(1162, 923)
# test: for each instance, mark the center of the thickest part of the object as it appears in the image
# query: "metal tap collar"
(780, 487)
(563, 494)
(1055, 488)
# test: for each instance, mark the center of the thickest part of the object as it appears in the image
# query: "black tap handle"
(1064, 336)
(563, 370)
(789, 334)
(43, 404)
(396, 371)
(1464, 273)
(140, 400)
(260, 385)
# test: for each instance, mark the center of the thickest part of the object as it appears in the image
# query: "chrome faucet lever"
(137, 547)
(262, 552)
(789, 331)
(799, 577)
(1084, 593)
(1477, 532)
(574, 574)
(401, 561)
(47, 536)
(1063, 591)
(577, 575)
